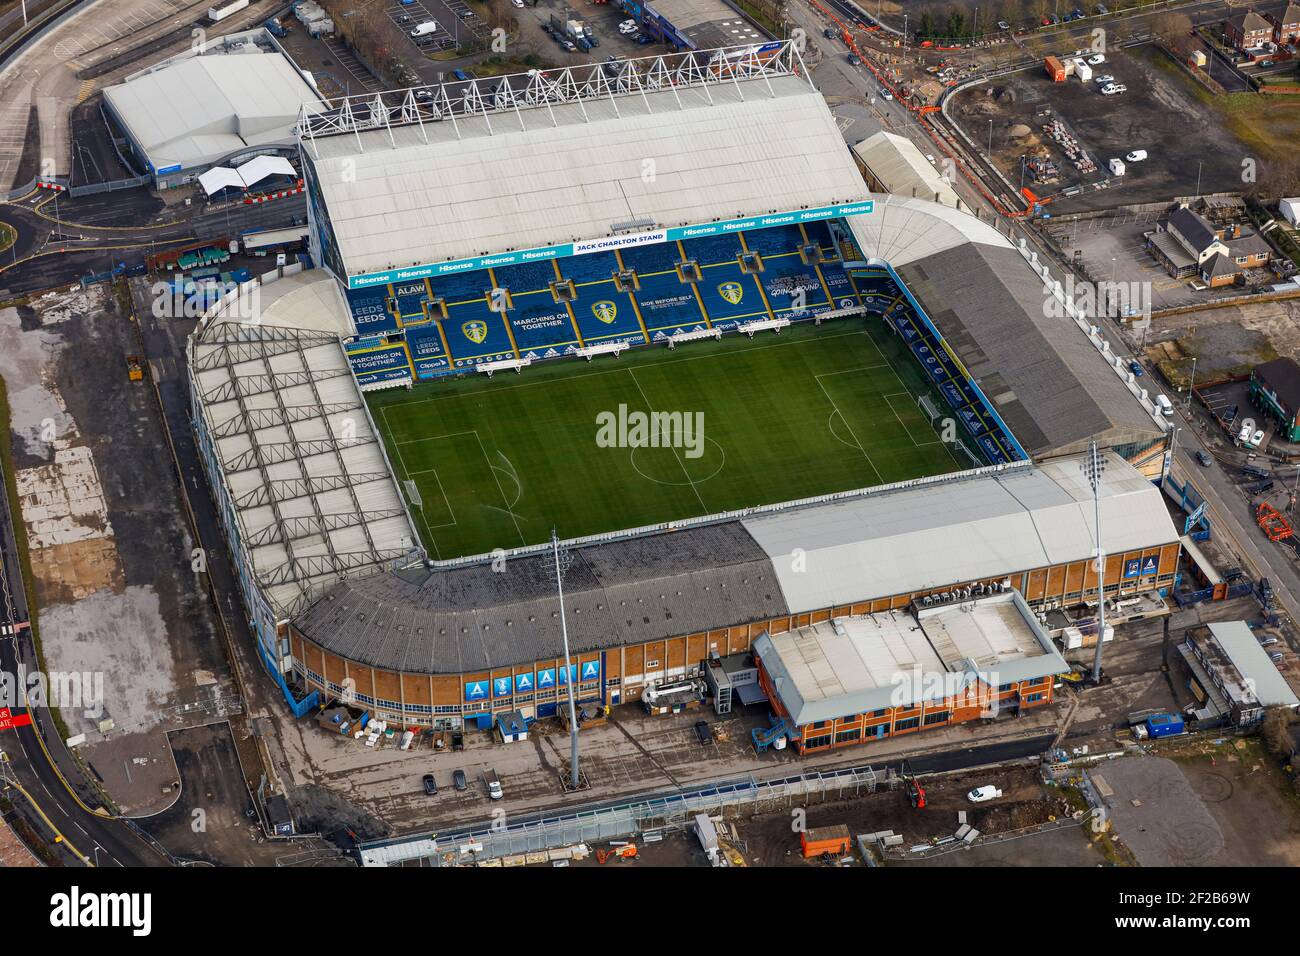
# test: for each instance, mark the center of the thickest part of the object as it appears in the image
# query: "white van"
(1166, 407)
(1136, 156)
(425, 28)
(493, 784)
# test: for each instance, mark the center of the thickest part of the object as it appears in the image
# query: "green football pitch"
(498, 462)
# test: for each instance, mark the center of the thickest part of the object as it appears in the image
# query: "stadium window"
(394, 339)
(815, 743)
(689, 271)
(627, 281)
(938, 717)
(563, 290)
(848, 736)
(751, 262)
(437, 308)
(907, 724)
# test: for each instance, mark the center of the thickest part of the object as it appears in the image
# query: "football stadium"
(650, 307)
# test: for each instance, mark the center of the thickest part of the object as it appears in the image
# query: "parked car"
(457, 740)
(1204, 458)
(1136, 368)
(568, 45)
(1103, 79)
(1102, 9)
(1136, 156)
(702, 732)
(828, 33)
(458, 780)
(495, 792)
(430, 785)
(1257, 439)
(517, 3)
(854, 59)
(1113, 89)
(1262, 64)
(460, 74)
(1268, 641)
(642, 39)
(1276, 657)
(983, 794)
(885, 94)
(1097, 59)
(1003, 25)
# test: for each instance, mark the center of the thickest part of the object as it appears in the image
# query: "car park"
(458, 780)
(430, 785)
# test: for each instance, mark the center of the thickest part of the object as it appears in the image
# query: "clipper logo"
(731, 291)
(475, 330)
(75, 909)
(605, 310)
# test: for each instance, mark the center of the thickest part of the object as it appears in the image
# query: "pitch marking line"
(413, 441)
(687, 474)
(501, 491)
(879, 476)
(396, 447)
(445, 499)
(910, 400)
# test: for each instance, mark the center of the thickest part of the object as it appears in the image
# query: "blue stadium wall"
(447, 325)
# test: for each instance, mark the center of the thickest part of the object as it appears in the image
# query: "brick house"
(1248, 31)
(1286, 26)
(1219, 254)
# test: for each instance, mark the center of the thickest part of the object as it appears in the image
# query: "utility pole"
(569, 676)
(1093, 466)
(1191, 384)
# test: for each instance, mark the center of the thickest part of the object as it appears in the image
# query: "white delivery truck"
(425, 28)
(217, 14)
(1166, 407)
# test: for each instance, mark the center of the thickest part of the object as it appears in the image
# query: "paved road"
(85, 838)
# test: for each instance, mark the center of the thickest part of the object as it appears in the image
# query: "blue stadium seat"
(525, 277)
(774, 240)
(647, 260)
(597, 267)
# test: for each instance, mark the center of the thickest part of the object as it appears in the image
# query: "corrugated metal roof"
(568, 171)
(197, 110)
(707, 23)
(903, 230)
(902, 169)
(1259, 674)
(943, 533)
(855, 665)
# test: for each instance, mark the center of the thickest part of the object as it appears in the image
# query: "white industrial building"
(892, 164)
(219, 107)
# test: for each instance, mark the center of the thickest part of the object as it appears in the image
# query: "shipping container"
(1055, 69)
(825, 840)
(1164, 725)
(217, 14)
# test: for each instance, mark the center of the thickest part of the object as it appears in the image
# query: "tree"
(1276, 732)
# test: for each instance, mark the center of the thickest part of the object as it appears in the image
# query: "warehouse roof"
(565, 171)
(932, 534)
(301, 467)
(855, 665)
(902, 170)
(706, 23)
(200, 109)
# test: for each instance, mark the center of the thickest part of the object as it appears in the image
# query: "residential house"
(1287, 25)
(1248, 31)
(1220, 254)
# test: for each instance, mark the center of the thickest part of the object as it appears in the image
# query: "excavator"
(915, 792)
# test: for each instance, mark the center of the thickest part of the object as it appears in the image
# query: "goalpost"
(413, 494)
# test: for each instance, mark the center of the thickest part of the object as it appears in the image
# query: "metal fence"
(671, 812)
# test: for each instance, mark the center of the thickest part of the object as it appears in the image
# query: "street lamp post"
(1093, 467)
(1191, 383)
(569, 676)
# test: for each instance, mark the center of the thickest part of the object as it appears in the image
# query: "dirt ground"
(1205, 805)
(1226, 342)
(1156, 113)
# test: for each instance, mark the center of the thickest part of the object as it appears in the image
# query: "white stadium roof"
(302, 470)
(197, 110)
(565, 171)
(932, 535)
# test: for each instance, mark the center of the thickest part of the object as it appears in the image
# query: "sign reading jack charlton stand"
(10, 722)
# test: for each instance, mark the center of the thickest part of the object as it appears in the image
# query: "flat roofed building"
(864, 677)
(698, 24)
(1275, 390)
(1232, 676)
